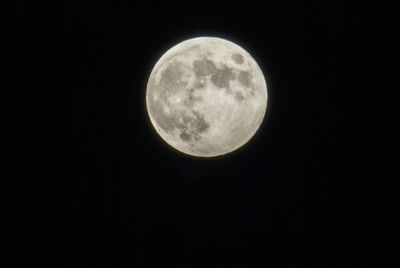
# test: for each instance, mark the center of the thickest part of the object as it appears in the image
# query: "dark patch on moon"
(163, 120)
(192, 98)
(187, 122)
(244, 78)
(221, 77)
(199, 124)
(239, 96)
(198, 85)
(185, 136)
(192, 126)
(203, 67)
(171, 75)
(237, 58)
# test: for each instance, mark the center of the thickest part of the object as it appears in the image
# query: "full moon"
(206, 97)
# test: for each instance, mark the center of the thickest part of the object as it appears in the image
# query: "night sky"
(91, 184)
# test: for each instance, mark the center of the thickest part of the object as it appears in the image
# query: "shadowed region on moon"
(221, 77)
(188, 122)
(237, 58)
(203, 67)
(239, 96)
(171, 77)
(188, 107)
(192, 98)
(192, 124)
(244, 78)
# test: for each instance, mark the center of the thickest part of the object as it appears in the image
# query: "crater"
(221, 77)
(203, 67)
(237, 58)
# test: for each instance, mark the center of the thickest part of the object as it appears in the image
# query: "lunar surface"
(206, 97)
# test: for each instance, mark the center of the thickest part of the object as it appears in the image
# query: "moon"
(206, 97)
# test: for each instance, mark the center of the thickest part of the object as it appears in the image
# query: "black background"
(91, 184)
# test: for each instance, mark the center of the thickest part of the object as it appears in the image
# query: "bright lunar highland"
(206, 96)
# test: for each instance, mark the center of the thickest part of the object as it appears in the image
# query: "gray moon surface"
(206, 96)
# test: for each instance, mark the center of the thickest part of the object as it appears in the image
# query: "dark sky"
(91, 184)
